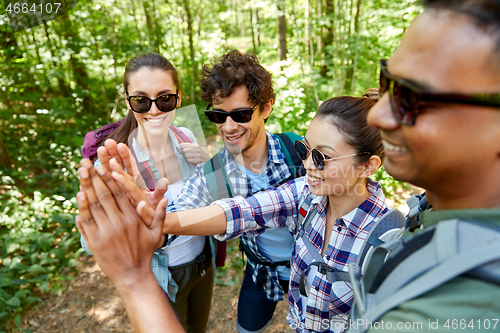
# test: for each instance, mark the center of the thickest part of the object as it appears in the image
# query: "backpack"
(94, 138)
(415, 266)
(392, 220)
(220, 187)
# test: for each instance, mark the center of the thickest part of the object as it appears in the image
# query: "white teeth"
(155, 120)
(232, 138)
(392, 147)
(314, 179)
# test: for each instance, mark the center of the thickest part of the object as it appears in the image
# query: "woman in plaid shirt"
(340, 151)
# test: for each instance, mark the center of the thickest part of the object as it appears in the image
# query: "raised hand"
(135, 193)
(123, 246)
(194, 153)
(117, 236)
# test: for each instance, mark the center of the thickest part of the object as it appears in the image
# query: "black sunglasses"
(318, 157)
(242, 115)
(407, 99)
(142, 104)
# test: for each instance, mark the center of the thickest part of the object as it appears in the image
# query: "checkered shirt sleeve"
(328, 303)
(196, 194)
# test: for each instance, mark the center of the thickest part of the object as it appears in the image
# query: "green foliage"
(39, 247)
(390, 186)
(224, 276)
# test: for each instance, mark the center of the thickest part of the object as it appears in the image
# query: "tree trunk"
(327, 39)
(135, 20)
(301, 60)
(63, 87)
(78, 68)
(257, 25)
(4, 155)
(253, 33)
(282, 30)
(355, 61)
(149, 23)
(191, 47)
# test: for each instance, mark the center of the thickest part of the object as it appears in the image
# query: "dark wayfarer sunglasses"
(407, 99)
(142, 104)
(242, 115)
(318, 157)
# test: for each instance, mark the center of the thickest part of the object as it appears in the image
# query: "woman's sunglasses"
(318, 157)
(407, 99)
(142, 104)
(243, 115)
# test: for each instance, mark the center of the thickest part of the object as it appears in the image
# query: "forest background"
(63, 78)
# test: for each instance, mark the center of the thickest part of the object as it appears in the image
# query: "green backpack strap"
(217, 179)
(287, 143)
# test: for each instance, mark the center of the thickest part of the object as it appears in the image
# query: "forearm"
(147, 305)
(209, 220)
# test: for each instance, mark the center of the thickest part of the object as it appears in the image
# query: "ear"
(126, 102)
(371, 166)
(179, 99)
(267, 109)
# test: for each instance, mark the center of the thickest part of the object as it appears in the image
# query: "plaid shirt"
(196, 194)
(327, 303)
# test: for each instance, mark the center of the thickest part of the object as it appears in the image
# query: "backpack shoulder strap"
(287, 143)
(393, 219)
(144, 170)
(452, 248)
(180, 135)
(417, 204)
(306, 215)
(217, 178)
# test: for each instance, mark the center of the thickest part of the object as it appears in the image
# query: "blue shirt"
(267, 241)
(196, 194)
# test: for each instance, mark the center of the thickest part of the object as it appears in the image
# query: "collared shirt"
(196, 194)
(186, 167)
(327, 303)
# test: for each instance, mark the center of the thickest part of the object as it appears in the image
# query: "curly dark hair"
(234, 69)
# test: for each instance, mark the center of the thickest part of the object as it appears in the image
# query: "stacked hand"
(120, 239)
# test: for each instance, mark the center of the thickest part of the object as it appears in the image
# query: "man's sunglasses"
(242, 115)
(142, 104)
(407, 99)
(318, 157)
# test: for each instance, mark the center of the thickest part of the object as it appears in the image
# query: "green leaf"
(14, 301)
(17, 321)
(37, 268)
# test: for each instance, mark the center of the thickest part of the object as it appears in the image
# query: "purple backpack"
(94, 138)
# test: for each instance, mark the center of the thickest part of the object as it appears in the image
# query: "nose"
(154, 109)
(309, 164)
(381, 116)
(230, 125)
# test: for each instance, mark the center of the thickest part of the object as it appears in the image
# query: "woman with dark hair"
(184, 269)
(330, 210)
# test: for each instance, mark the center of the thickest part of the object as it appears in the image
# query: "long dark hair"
(349, 115)
(149, 60)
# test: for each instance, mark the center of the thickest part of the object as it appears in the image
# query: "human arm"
(123, 247)
(229, 218)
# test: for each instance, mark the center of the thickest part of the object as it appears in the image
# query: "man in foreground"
(439, 118)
